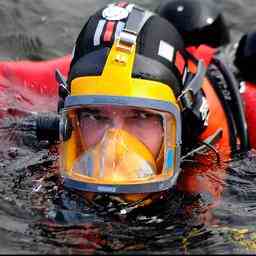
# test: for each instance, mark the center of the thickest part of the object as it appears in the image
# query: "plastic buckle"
(126, 41)
(186, 99)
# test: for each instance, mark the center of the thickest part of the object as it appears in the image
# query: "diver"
(244, 63)
(199, 22)
(144, 112)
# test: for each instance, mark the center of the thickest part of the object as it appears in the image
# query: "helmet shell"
(198, 21)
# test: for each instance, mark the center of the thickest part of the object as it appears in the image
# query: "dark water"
(38, 216)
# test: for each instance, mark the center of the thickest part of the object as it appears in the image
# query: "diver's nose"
(118, 122)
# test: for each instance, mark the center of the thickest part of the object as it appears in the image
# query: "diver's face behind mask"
(121, 127)
(119, 150)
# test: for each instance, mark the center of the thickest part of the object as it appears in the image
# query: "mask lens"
(121, 145)
(145, 125)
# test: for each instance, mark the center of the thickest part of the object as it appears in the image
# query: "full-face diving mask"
(131, 147)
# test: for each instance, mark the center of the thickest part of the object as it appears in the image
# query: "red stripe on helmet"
(180, 62)
(122, 4)
(109, 31)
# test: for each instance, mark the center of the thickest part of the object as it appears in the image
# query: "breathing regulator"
(49, 127)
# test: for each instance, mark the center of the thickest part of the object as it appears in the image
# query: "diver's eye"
(97, 117)
(143, 115)
(92, 116)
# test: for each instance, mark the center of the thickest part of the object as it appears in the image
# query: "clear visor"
(119, 145)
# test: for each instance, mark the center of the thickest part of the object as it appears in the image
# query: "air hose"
(47, 126)
(236, 104)
(44, 126)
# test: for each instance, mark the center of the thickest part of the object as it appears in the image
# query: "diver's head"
(198, 21)
(245, 56)
(121, 123)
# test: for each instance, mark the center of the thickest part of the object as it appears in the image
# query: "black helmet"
(245, 57)
(198, 21)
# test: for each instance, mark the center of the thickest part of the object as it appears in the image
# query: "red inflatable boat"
(31, 86)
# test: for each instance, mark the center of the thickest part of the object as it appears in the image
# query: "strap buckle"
(187, 96)
(126, 41)
(136, 20)
(186, 99)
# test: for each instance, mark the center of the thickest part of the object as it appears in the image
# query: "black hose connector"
(48, 127)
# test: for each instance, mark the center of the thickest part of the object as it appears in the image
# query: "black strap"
(63, 86)
(135, 22)
(187, 96)
(236, 104)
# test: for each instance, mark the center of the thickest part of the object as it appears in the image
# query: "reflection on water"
(38, 215)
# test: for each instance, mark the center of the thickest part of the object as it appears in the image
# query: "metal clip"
(63, 87)
(186, 99)
(126, 41)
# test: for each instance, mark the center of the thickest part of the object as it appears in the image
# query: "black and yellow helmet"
(128, 60)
